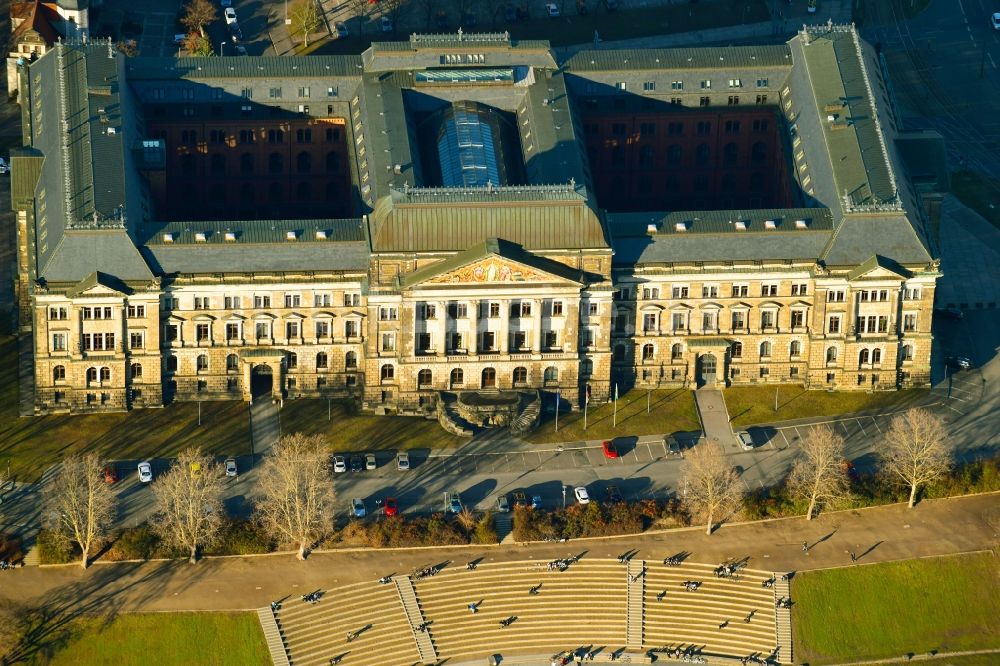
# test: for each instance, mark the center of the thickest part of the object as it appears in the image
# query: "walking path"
(714, 416)
(935, 527)
(265, 426)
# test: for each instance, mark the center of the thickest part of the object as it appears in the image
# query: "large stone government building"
(467, 212)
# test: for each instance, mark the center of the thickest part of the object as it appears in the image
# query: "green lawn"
(573, 29)
(978, 194)
(750, 405)
(32, 444)
(947, 604)
(164, 639)
(671, 410)
(348, 430)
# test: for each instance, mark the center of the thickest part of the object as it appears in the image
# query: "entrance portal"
(706, 370)
(261, 381)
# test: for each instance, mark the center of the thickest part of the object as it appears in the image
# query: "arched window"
(907, 354)
(218, 164)
(831, 354)
(333, 161)
(388, 372)
(758, 153)
(457, 377)
(292, 360)
(862, 356)
(303, 162)
(795, 348)
(59, 373)
(489, 378)
(136, 370)
(619, 353)
(648, 352)
(202, 363)
(765, 349)
(232, 363)
(702, 154)
(876, 356)
(303, 192)
(350, 360)
(676, 351)
(674, 154)
(246, 164)
(424, 377)
(551, 374)
(730, 153)
(91, 374)
(646, 156)
(323, 362)
(275, 163)
(171, 364)
(736, 349)
(105, 374)
(520, 375)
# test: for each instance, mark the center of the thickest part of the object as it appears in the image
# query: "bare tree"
(363, 10)
(711, 486)
(305, 18)
(917, 450)
(198, 14)
(188, 502)
(428, 8)
(817, 476)
(297, 497)
(79, 503)
(13, 626)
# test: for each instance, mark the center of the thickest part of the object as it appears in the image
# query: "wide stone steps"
(783, 622)
(272, 635)
(411, 606)
(636, 586)
(503, 523)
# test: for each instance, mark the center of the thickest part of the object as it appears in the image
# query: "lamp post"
(288, 21)
(222, 46)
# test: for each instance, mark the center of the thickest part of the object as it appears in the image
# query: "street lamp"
(222, 45)
(288, 21)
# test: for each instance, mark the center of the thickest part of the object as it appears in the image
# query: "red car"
(610, 450)
(110, 474)
(391, 508)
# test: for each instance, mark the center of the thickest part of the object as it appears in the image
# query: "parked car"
(402, 461)
(609, 448)
(110, 474)
(391, 508)
(179, 38)
(231, 469)
(960, 362)
(581, 495)
(503, 504)
(520, 499)
(385, 23)
(995, 21)
(357, 508)
(744, 440)
(672, 445)
(357, 464)
(536, 501)
(236, 33)
(145, 472)
(339, 464)
(195, 468)
(341, 29)
(230, 15)
(226, 3)
(453, 503)
(4, 167)
(370, 461)
(614, 495)
(241, 50)
(552, 9)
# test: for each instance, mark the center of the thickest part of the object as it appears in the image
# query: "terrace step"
(275, 643)
(635, 603)
(415, 618)
(783, 622)
(504, 525)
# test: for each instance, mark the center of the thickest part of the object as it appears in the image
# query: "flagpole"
(614, 418)
(557, 410)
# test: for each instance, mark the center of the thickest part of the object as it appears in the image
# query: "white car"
(230, 15)
(744, 440)
(339, 464)
(552, 9)
(231, 469)
(995, 21)
(581, 495)
(145, 472)
(403, 461)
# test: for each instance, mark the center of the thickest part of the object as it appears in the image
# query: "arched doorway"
(706, 370)
(261, 380)
(489, 378)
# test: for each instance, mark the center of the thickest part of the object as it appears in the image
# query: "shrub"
(11, 548)
(136, 543)
(54, 548)
(485, 529)
(242, 537)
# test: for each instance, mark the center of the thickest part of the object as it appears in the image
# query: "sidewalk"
(935, 527)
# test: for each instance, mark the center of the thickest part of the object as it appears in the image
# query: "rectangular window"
(798, 318)
(136, 311)
(291, 329)
(136, 340)
(551, 339)
(203, 332)
(734, 100)
(261, 301)
(761, 83)
(520, 341)
(304, 91)
(764, 372)
(909, 323)
(621, 85)
(352, 300)
(274, 93)
(706, 84)
(710, 291)
(650, 86)
(761, 99)
(739, 320)
(387, 313)
(833, 324)
(262, 329)
(678, 291)
(760, 126)
(592, 309)
(768, 290)
(740, 290)
(677, 321)
(767, 319)
(707, 321)
(494, 310)
(59, 342)
(423, 342)
(322, 329)
(911, 294)
(171, 332)
(458, 310)
(351, 329)
(232, 331)
(799, 290)
(835, 296)
(456, 342)
(677, 85)
(388, 342)
(649, 322)
(489, 341)
(704, 101)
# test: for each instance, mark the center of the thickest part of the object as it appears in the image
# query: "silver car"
(403, 461)
(744, 440)
(339, 464)
(145, 472)
(231, 469)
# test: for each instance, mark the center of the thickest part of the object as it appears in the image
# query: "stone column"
(246, 380)
(536, 326)
(472, 310)
(442, 327)
(504, 326)
(278, 379)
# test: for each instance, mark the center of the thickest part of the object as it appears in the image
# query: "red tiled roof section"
(34, 19)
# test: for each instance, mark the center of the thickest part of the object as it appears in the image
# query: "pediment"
(495, 270)
(879, 273)
(878, 267)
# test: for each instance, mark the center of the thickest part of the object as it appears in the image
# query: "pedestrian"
(747, 618)
(723, 625)
(350, 636)
(854, 558)
(805, 547)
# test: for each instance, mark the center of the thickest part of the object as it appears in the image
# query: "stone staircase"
(415, 617)
(636, 594)
(783, 622)
(272, 634)
(451, 420)
(528, 418)
(504, 525)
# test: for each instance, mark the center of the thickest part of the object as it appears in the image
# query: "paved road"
(935, 527)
